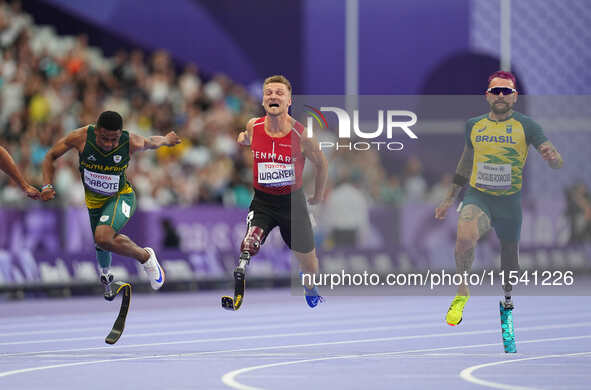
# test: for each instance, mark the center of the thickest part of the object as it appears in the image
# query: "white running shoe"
(106, 280)
(154, 270)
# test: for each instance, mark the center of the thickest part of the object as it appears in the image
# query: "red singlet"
(278, 161)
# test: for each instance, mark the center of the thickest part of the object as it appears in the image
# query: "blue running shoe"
(313, 298)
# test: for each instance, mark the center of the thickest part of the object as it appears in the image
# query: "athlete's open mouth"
(274, 105)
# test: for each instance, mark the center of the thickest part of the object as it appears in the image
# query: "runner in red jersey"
(280, 149)
(278, 160)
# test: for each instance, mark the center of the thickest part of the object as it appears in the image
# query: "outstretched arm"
(549, 153)
(311, 150)
(8, 165)
(139, 143)
(463, 172)
(76, 140)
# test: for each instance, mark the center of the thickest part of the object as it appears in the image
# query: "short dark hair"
(110, 120)
(503, 75)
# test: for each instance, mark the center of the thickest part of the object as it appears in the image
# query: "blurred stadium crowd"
(51, 85)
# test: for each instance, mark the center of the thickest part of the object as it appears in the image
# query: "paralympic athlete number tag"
(273, 174)
(101, 183)
(493, 176)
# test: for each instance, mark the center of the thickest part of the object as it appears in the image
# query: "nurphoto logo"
(348, 128)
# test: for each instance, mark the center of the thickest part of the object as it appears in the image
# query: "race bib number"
(101, 183)
(276, 174)
(493, 176)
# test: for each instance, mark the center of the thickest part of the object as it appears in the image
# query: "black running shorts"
(289, 212)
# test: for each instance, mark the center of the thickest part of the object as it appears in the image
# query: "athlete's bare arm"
(583, 203)
(75, 140)
(464, 169)
(138, 143)
(8, 165)
(245, 137)
(550, 154)
(311, 150)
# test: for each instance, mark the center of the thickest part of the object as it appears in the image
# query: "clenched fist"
(172, 139)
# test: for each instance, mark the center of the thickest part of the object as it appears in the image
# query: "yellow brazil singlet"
(500, 151)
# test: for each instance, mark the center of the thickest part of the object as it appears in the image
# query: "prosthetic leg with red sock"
(249, 247)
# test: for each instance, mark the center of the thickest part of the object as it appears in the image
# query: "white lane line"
(296, 334)
(430, 321)
(233, 351)
(143, 314)
(229, 378)
(230, 329)
(466, 374)
(141, 323)
(300, 334)
(240, 328)
(286, 321)
(43, 321)
(289, 346)
(149, 316)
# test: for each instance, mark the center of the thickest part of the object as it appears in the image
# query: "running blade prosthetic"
(507, 331)
(116, 289)
(234, 304)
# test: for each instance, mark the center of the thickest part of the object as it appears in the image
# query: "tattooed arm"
(464, 169)
(550, 154)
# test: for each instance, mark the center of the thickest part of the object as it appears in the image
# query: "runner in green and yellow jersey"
(104, 152)
(492, 163)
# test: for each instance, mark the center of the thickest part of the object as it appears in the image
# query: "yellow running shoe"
(454, 314)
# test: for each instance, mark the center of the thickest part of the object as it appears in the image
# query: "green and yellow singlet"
(103, 173)
(500, 151)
